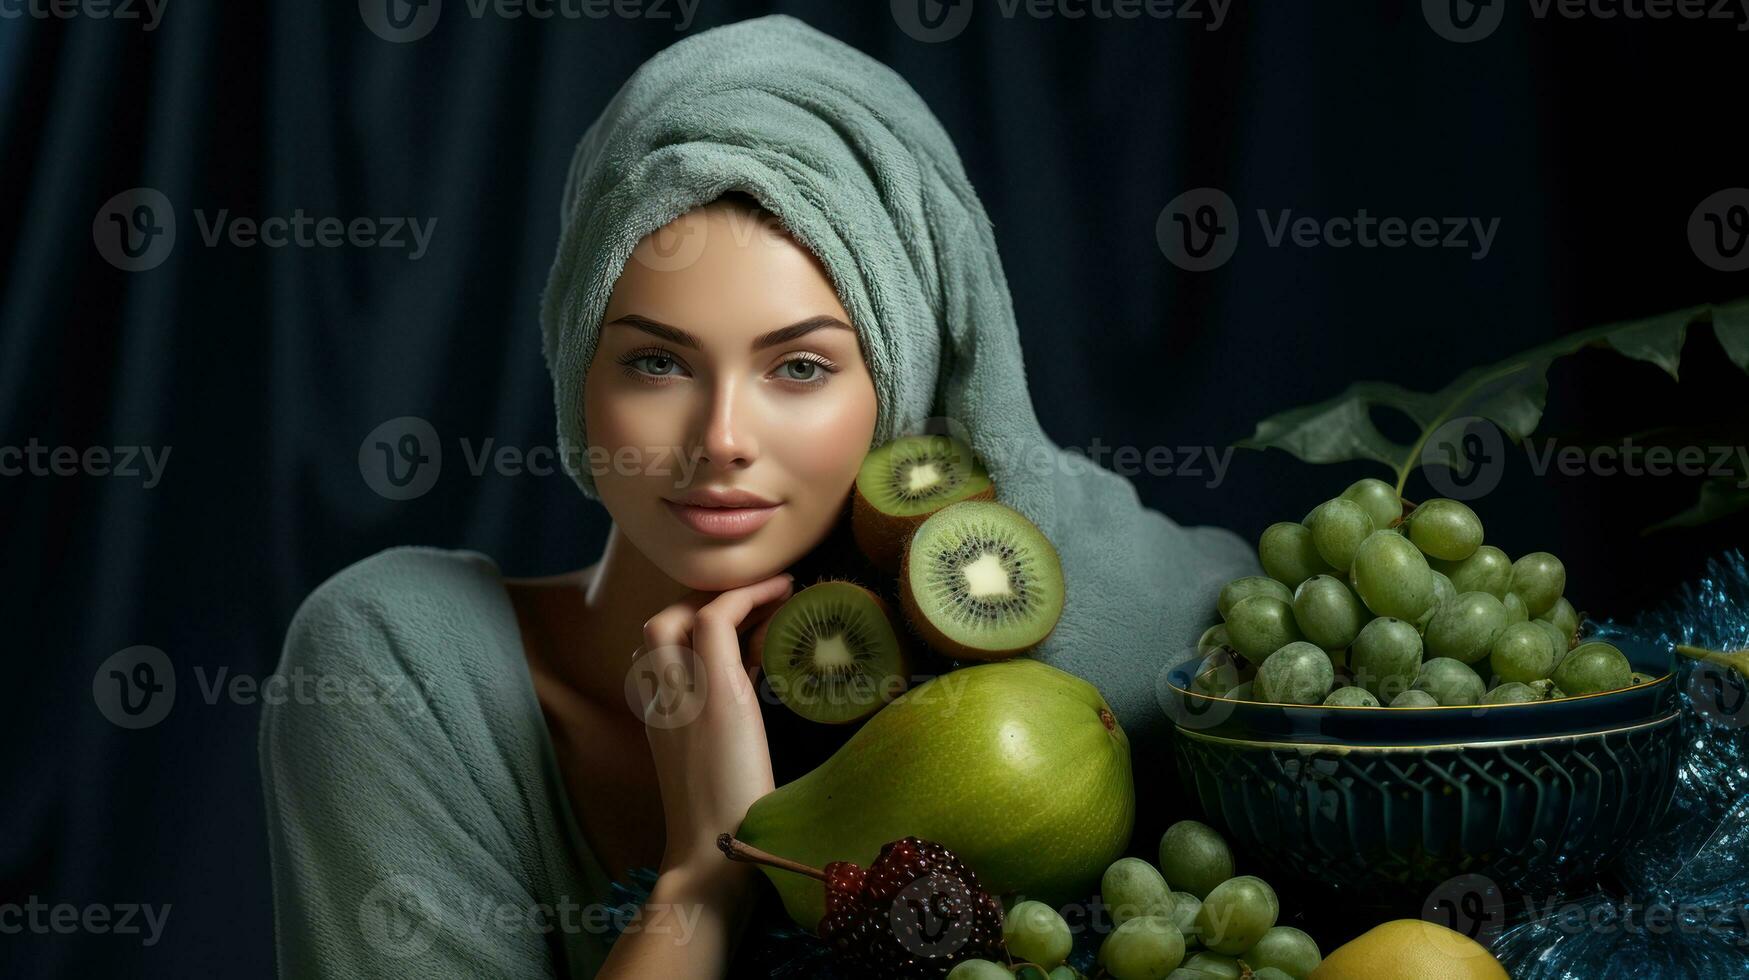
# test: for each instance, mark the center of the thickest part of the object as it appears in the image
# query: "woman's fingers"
(716, 631)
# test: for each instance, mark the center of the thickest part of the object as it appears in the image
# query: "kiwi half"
(903, 482)
(833, 653)
(981, 582)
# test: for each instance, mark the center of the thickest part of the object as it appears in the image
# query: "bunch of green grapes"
(1189, 917)
(1369, 603)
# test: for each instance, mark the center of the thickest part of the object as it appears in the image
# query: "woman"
(770, 262)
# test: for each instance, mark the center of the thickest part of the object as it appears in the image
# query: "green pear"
(1017, 767)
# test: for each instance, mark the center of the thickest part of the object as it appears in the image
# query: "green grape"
(1445, 529)
(979, 970)
(1451, 682)
(1511, 692)
(1236, 914)
(1523, 652)
(1328, 612)
(1515, 611)
(1260, 625)
(1250, 585)
(1563, 615)
(1288, 554)
(1212, 639)
(1061, 973)
(1591, 668)
(1271, 973)
(1298, 673)
(1132, 887)
(1035, 932)
(1194, 857)
(1378, 498)
(1443, 589)
(1392, 576)
(1562, 641)
(1241, 692)
(1385, 657)
(1539, 578)
(1486, 570)
(1352, 697)
(1544, 689)
(1415, 699)
(1144, 948)
(1464, 628)
(1338, 527)
(1284, 948)
(1213, 966)
(1184, 909)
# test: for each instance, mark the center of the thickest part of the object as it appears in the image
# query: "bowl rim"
(1438, 707)
(1345, 748)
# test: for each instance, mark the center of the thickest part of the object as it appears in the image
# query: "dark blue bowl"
(1386, 801)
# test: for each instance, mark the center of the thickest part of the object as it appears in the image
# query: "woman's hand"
(701, 713)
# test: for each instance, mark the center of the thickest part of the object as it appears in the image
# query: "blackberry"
(915, 912)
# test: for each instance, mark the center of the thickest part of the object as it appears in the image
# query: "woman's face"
(726, 363)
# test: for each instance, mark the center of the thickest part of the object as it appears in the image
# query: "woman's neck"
(602, 622)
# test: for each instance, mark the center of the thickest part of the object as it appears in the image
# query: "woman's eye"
(661, 361)
(808, 370)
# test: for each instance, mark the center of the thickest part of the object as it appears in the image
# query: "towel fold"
(850, 158)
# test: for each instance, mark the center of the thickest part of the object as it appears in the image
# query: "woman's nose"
(728, 440)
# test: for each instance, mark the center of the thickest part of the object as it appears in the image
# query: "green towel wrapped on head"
(400, 825)
(858, 169)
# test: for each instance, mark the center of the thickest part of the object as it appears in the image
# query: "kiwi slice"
(981, 582)
(903, 482)
(833, 653)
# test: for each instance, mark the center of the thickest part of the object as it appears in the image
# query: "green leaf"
(1719, 497)
(1731, 325)
(1511, 394)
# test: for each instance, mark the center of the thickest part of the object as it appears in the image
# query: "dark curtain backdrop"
(262, 370)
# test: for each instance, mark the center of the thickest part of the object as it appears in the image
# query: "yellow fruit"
(1410, 949)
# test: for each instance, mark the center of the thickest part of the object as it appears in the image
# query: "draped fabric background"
(270, 374)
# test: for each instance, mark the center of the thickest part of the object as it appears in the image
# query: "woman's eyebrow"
(675, 335)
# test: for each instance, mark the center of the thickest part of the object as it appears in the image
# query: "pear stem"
(736, 850)
(1738, 661)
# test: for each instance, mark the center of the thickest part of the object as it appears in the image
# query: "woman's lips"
(722, 522)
